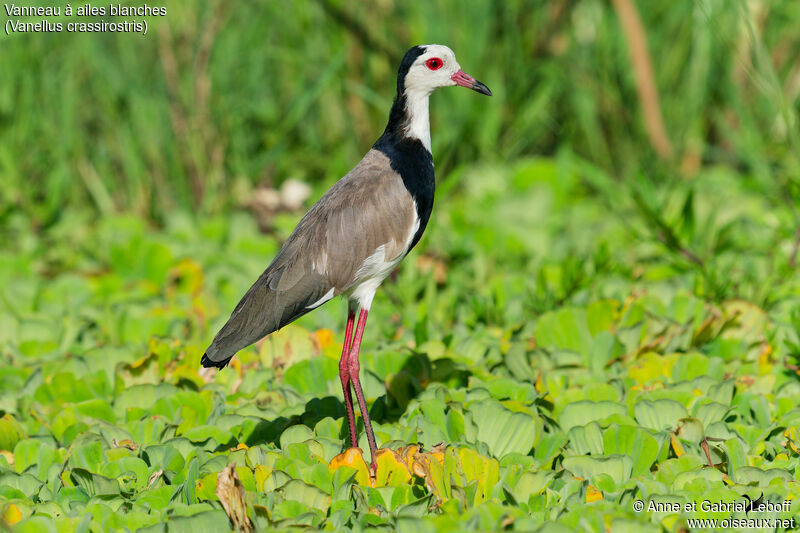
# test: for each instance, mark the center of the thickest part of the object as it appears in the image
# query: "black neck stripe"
(407, 156)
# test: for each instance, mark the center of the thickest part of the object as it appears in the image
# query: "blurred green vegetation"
(605, 300)
(221, 96)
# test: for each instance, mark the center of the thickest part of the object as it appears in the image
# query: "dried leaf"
(230, 492)
(439, 448)
(408, 453)
(125, 443)
(154, 477)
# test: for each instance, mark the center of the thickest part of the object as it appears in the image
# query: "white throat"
(418, 124)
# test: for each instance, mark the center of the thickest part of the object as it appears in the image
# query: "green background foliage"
(600, 307)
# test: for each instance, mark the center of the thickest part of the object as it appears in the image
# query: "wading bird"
(355, 235)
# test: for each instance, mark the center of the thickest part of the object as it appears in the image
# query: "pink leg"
(354, 369)
(344, 375)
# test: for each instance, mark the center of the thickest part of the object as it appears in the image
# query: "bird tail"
(263, 309)
(208, 363)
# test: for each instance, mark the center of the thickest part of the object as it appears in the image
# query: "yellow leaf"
(66, 479)
(9, 456)
(12, 514)
(324, 337)
(287, 346)
(186, 277)
(391, 469)
(505, 345)
(651, 366)
(144, 360)
(188, 373)
(793, 438)
(592, 494)
(408, 453)
(763, 355)
(435, 479)
(353, 458)
(677, 447)
(206, 487)
(261, 472)
(539, 385)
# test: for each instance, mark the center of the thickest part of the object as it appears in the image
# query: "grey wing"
(366, 209)
(283, 293)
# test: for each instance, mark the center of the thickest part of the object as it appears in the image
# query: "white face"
(433, 69)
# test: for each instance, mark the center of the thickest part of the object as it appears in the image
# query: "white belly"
(376, 268)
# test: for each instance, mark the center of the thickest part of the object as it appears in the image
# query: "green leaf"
(600, 315)
(204, 433)
(582, 412)
(132, 470)
(532, 483)
(504, 431)
(586, 439)
(94, 484)
(633, 442)
(306, 494)
(203, 522)
(618, 467)
(736, 456)
(710, 412)
(164, 457)
(565, 329)
(189, 484)
(295, 435)
(10, 432)
(691, 430)
(548, 448)
(37, 524)
(750, 475)
(89, 456)
(659, 414)
(26, 453)
(96, 408)
(312, 375)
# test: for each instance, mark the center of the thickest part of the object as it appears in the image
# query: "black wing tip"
(208, 363)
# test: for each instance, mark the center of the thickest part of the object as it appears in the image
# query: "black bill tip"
(481, 88)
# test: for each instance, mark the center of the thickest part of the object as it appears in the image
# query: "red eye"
(434, 63)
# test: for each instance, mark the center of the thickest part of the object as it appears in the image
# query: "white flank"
(328, 296)
(365, 292)
(377, 267)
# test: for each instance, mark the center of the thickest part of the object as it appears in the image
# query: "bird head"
(428, 67)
